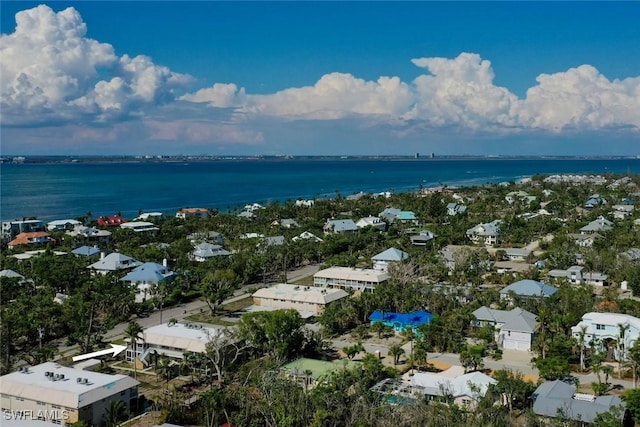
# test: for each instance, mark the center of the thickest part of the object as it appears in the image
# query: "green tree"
(277, 333)
(115, 413)
(352, 351)
(396, 351)
(216, 287)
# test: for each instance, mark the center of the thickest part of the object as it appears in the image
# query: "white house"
(305, 235)
(200, 213)
(382, 260)
(204, 251)
(486, 234)
(607, 327)
(146, 276)
(63, 396)
(172, 340)
(307, 300)
(514, 329)
(465, 389)
(576, 276)
(63, 224)
(357, 279)
(113, 262)
(140, 226)
(372, 221)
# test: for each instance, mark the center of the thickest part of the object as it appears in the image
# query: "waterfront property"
(63, 224)
(307, 300)
(339, 226)
(200, 213)
(514, 329)
(30, 239)
(357, 279)
(140, 226)
(66, 395)
(111, 221)
(10, 229)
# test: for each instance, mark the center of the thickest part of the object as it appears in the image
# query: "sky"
(319, 78)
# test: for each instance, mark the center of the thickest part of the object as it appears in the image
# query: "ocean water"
(67, 190)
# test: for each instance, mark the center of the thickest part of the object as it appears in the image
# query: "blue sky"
(337, 78)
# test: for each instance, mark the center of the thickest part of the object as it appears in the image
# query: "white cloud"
(51, 72)
(453, 93)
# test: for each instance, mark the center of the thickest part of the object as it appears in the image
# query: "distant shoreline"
(21, 159)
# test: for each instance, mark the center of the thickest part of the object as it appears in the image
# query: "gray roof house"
(114, 262)
(528, 288)
(382, 260)
(389, 214)
(454, 209)
(633, 255)
(145, 276)
(205, 250)
(487, 233)
(338, 226)
(272, 241)
(515, 328)
(554, 399)
(597, 225)
(422, 238)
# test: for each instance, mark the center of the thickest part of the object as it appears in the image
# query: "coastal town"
(509, 304)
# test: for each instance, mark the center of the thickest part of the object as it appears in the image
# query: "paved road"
(184, 310)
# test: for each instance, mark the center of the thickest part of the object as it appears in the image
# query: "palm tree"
(581, 342)
(622, 331)
(164, 369)
(396, 351)
(115, 413)
(133, 332)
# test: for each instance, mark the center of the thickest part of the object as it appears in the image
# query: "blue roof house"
(147, 275)
(401, 321)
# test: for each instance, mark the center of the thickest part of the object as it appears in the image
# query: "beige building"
(357, 279)
(60, 395)
(304, 299)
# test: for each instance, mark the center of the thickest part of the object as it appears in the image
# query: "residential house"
(140, 226)
(585, 240)
(486, 234)
(310, 372)
(519, 196)
(407, 217)
(558, 399)
(252, 207)
(10, 229)
(33, 238)
(111, 221)
(516, 254)
(372, 221)
(605, 328)
(632, 255)
(206, 236)
(64, 396)
(389, 214)
(382, 260)
(576, 276)
(286, 223)
(272, 241)
(422, 238)
(307, 236)
(594, 201)
(246, 215)
(454, 209)
(356, 196)
(466, 389)
(514, 329)
(340, 226)
(87, 251)
(146, 276)
(307, 300)
(63, 224)
(622, 211)
(113, 262)
(10, 274)
(357, 279)
(401, 321)
(204, 251)
(81, 232)
(172, 340)
(451, 254)
(149, 216)
(528, 288)
(200, 213)
(601, 224)
(304, 203)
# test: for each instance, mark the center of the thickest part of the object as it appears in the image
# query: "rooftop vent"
(78, 380)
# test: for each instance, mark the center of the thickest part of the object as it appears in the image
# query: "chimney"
(164, 263)
(102, 255)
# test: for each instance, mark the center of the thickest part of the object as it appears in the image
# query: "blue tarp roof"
(413, 319)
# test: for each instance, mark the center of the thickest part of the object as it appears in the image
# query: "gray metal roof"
(530, 288)
(517, 320)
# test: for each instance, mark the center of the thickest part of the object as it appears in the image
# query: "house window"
(600, 327)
